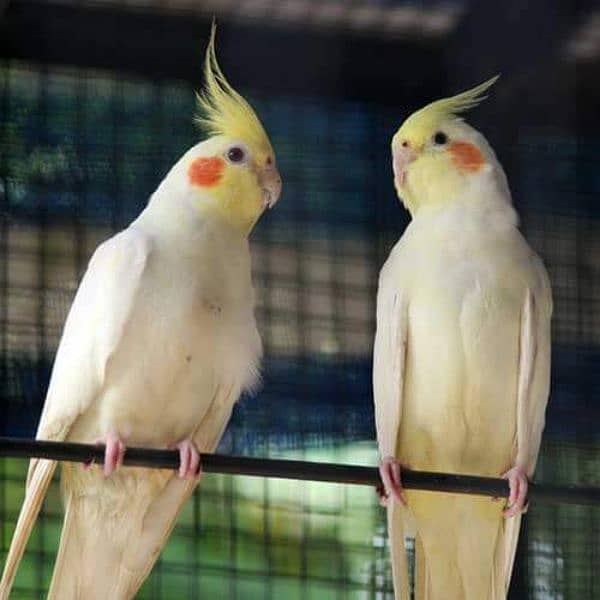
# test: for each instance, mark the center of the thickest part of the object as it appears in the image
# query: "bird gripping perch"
(294, 469)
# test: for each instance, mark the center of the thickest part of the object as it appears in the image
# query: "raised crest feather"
(448, 108)
(222, 110)
(461, 102)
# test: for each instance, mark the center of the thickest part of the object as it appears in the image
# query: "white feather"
(160, 341)
(475, 380)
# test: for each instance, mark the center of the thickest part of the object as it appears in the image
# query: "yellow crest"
(222, 110)
(428, 117)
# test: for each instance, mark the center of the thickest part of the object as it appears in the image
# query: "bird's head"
(436, 156)
(232, 175)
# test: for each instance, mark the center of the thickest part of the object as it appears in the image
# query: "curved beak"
(270, 182)
(401, 158)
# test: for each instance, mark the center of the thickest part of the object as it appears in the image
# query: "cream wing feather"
(389, 359)
(534, 367)
(452, 327)
(388, 363)
(94, 326)
(159, 343)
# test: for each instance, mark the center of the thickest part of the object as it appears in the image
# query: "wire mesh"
(80, 152)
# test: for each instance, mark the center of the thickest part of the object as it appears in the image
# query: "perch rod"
(295, 469)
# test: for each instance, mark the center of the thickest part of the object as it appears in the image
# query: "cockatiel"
(462, 356)
(159, 343)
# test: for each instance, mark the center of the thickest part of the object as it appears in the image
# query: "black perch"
(295, 469)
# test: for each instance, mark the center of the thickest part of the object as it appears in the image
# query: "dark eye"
(440, 138)
(236, 154)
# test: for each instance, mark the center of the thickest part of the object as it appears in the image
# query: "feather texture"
(222, 110)
(159, 343)
(470, 286)
(445, 110)
(474, 362)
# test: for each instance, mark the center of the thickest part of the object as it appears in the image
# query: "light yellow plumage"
(462, 353)
(159, 343)
(426, 120)
(223, 111)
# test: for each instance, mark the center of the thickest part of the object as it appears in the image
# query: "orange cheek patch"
(467, 157)
(206, 172)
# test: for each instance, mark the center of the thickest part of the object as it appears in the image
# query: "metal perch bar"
(295, 469)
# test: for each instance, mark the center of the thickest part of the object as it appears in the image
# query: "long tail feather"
(102, 545)
(40, 476)
(505, 552)
(465, 547)
(398, 551)
(115, 528)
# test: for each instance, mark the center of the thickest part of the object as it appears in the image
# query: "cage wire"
(80, 152)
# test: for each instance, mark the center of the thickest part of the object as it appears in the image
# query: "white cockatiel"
(159, 343)
(462, 356)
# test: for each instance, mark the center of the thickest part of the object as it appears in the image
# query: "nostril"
(405, 144)
(269, 161)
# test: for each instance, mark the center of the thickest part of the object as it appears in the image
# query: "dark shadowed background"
(96, 103)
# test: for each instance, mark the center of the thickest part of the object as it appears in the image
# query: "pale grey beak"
(270, 182)
(401, 158)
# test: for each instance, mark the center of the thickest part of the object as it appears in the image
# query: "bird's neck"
(178, 211)
(178, 221)
(484, 192)
(482, 213)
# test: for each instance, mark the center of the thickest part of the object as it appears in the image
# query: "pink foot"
(519, 484)
(113, 453)
(389, 470)
(189, 460)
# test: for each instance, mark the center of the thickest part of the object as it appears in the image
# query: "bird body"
(461, 369)
(466, 292)
(193, 301)
(159, 343)
(200, 348)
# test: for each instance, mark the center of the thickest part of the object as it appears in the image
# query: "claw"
(518, 484)
(390, 472)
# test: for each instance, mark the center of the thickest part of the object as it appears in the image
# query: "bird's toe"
(189, 460)
(390, 473)
(113, 453)
(518, 485)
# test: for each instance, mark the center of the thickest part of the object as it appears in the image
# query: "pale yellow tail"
(114, 530)
(398, 551)
(464, 548)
